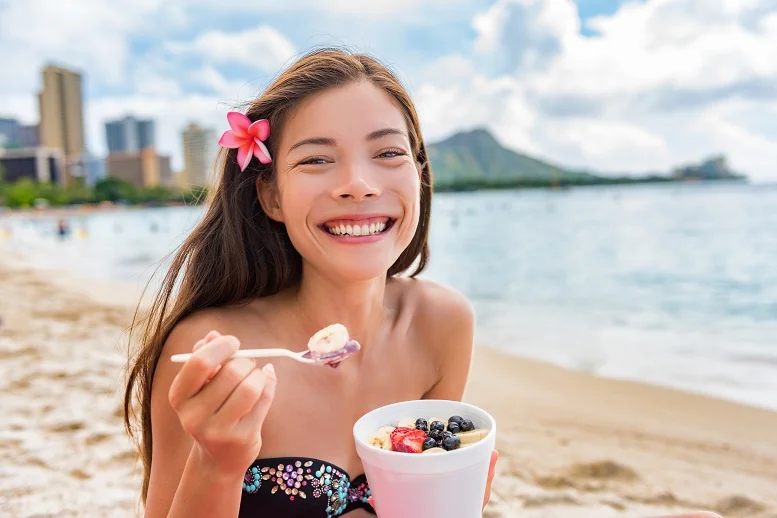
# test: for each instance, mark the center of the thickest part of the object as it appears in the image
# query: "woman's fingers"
(208, 338)
(199, 367)
(243, 399)
(229, 378)
(255, 418)
(491, 472)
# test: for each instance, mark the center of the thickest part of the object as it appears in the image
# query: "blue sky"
(611, 85)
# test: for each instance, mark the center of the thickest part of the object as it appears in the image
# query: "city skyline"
(615, 86)
(130, 141)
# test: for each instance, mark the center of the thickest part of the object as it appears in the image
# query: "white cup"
(406, 485)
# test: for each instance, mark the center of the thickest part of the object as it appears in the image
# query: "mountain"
(476, 156)
(475, 159)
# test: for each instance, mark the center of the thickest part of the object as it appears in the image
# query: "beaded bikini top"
(296, 487)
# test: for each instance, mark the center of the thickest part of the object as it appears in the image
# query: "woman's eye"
(392, 153)
(313, 161)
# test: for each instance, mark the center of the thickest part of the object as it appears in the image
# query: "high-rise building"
(15, 135)
(143, 168)
(28, 135)
(39, 164)
(62, 113)
(199, 155)
(129, 134)
(9, 133)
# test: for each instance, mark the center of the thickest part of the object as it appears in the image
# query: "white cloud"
(692, 44)
(522, 35)
(263, 48)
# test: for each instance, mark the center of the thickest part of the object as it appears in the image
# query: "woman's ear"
(268, 199)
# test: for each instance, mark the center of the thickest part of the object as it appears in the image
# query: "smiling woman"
(323, 201)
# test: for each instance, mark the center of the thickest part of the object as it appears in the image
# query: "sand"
(571, 444)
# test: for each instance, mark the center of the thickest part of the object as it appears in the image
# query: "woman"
(323, 200)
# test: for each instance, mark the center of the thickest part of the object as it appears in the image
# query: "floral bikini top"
(296, 487)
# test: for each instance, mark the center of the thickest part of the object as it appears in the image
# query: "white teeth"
(358, 230)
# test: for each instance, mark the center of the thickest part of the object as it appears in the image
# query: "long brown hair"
(237, 253)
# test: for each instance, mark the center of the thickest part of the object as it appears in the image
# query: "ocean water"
(671, 284)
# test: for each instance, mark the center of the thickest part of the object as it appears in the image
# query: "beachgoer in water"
(63, 228)
(321, 204)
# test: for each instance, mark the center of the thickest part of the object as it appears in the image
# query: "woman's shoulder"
(194, 327)
(439, 312)
(444, 326)
(431, 300)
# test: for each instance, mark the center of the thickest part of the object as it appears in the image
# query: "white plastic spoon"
(309, 357)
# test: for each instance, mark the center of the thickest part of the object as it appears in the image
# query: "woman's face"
(348, 188)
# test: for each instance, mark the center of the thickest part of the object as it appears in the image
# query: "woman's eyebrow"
(375, 135)
(316, 141)
(326, 141)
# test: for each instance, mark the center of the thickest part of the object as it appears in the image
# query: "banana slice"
(331, 338)
(433, 450)
(408, 422)
(382, 438)
(472, 436)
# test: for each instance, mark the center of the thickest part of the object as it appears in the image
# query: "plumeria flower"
(248, 138)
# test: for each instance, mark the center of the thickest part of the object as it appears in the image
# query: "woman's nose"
(355, 183)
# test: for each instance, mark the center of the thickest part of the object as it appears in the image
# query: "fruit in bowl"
(432, 435)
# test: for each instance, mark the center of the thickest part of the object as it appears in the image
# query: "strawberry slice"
(408, 440)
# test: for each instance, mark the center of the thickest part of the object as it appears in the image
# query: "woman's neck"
(359, 306)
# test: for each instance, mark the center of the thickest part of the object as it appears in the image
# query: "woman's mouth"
(357, 228)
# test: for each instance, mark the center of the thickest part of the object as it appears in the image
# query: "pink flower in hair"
(248, 138)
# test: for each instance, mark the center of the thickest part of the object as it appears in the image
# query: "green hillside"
(477, 157)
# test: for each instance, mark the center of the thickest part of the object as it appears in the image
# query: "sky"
(614, 86)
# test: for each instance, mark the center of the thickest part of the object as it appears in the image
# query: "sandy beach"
(571, 444)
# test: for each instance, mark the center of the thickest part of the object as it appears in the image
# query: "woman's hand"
(222, 403)
(491, 472)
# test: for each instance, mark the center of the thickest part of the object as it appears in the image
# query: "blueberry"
(447, 433)
(451, 443)
(429, 443)
(467, 426)
(435, 434)
(421, 424)
(437, 425)
(456, 419)
(454, 427)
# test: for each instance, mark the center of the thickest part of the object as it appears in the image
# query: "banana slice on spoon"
(329, 346)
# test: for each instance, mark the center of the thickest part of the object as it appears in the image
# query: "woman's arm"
(448, 322)
(204, 477)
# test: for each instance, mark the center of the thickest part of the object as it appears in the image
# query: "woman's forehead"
(351, 111)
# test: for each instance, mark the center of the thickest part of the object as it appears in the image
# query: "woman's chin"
(359, 270)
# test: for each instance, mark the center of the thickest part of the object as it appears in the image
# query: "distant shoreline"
(490, 185)
(459, 186)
